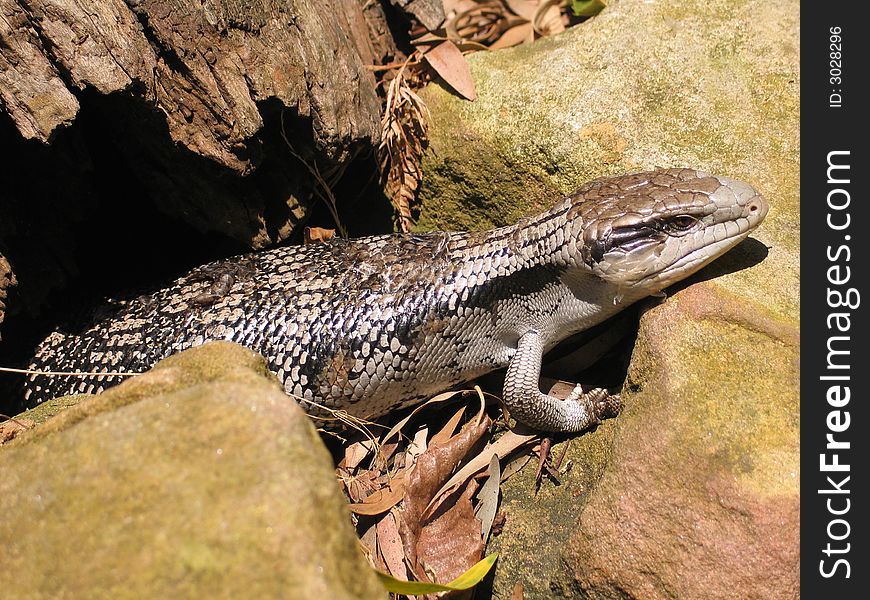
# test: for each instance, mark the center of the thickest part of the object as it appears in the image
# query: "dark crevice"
(161, 50)
(100, 213)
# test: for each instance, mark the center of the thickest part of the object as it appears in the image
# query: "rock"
(198, 479)
(699, 496)
(539, 523)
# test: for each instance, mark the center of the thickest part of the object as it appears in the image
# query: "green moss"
(754, 411)
(43, 412)
(731, 396)
(215, 484)
(203, 364)
(544, 520)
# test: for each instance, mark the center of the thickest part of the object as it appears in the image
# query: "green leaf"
(586, 8)
(467, 580)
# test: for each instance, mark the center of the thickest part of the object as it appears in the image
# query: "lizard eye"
(681, 223)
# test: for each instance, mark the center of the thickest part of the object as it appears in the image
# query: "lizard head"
(646, 231)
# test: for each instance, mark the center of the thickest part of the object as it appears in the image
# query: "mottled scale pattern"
(374, 324)
(383, 319)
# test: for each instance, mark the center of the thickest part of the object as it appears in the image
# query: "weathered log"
(204, 65)
(195, 102)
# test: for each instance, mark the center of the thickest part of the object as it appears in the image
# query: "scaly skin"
(378, 323)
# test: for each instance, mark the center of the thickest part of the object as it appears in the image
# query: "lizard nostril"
(757, 207)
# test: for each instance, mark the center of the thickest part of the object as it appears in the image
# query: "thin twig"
(391, 66)
(9, 419)
(343, 417)
(329, 199)
(69, 373)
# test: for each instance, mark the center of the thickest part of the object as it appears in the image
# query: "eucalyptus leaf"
(587, 8)
(466, 581)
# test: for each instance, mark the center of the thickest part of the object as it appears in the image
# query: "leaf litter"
(439, 51)
(425, 495)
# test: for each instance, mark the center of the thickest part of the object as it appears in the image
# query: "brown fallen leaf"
(434, 467)
(515, 465)
(356, 453)
(312, 235)
(506, 444)
(548, 18)
(447, 431)
(448, 61)
(523, 8)
(419, 444)
(383, 499)
(458, 5)
(369, 542)
(359, 485)
(450, 543)
(518, 34)
(488, 497)
(385, 452)
(442, 397)
(390, 546)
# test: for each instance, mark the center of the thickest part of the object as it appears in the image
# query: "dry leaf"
(515, 466)
(433, 467)
(548, 18)
(504, 23)
(442, 397)
(488, 498)
(479, 23)
(518, 34)
(369, 542)
(390, 546)
(457, 5)
(418, 444)
(523, 8)
(385, 452)
(313, 235)
(449, 62)
(359, 486)
(356, 453)
(506, 444)
(450, 543)
(447, 431)
(383, 499)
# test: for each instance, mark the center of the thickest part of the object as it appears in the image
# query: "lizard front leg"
(583, 408)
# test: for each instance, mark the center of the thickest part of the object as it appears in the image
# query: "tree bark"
(205, 65)
(190, 104)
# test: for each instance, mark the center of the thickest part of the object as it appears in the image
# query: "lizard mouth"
(735, 232)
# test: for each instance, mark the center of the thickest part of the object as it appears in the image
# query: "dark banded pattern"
(373, 324)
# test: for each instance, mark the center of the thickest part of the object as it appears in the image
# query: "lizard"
(375, 324)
